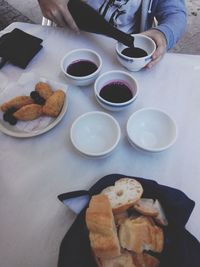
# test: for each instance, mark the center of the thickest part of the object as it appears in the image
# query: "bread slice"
(141, 234)
(123, 194)
(149, 207)
(146, 207)
(120, 217)
(99, 216)
(160, 218)
(124, 260)
(145, 260)
(134, 235)
(104, 246)
(102, 230)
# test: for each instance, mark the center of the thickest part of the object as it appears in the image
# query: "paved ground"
(190, 42)
(8, 14)
(25, 10)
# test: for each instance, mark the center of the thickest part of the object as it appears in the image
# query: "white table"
(34, 171)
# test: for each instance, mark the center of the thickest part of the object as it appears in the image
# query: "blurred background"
(29, 11)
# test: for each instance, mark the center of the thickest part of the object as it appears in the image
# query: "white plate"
(25, 85)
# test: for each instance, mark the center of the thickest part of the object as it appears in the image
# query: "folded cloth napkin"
(19, 47)
(181, 249)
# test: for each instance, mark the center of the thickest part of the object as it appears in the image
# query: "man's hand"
(57, 11)
(161, 45)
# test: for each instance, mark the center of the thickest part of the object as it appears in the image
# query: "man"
(131, 16)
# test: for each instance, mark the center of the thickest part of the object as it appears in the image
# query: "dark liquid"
(134, 52)
(81, 68)
(116, 92)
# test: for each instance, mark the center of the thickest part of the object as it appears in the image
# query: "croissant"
(44, 90)
(28, 112)
(17, 102)
(54, 104)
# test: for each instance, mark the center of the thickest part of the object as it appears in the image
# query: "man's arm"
(172, 19)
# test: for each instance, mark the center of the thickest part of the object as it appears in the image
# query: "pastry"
(28, 112)
(54, 104)
(44, 90)
(17, 102)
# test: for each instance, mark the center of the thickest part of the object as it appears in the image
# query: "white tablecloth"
(34, 171)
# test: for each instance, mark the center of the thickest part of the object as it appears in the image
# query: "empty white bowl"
(136, 64)
(95, 134)
(79, 55)
(115, 76)
(151, 130)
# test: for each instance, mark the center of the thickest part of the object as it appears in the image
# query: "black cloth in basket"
(181, 248)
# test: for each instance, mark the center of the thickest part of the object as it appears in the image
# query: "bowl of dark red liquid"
(115, 90)
(81, 66)
(136, 57)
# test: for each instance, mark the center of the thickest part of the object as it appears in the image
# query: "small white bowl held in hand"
(79, 55)
(116, 77)
(151, 129)
(134, 63)
(95, 134)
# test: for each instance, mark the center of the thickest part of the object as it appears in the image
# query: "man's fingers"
(159, 52)
(69, 20)
(57, 11)
(161, 45)
(157, 56)
(154, 61)
(58, 18)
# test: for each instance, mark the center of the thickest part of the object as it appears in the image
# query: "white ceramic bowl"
(95, 134)
(151, 130)
(77, 55)
(113, 76)
(136, 64)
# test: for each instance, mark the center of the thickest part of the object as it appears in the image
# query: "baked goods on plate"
(22, 103)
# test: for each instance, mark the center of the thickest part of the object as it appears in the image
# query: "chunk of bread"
(17, 102)
(123, 194)
(141, 234)
(160, 218)
(146, 207)
(145, 260)
(102, 230)
(124, 260)
(120, 217)
(99, 217)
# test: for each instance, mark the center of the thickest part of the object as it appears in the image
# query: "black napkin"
(19, 47)
(181, 249)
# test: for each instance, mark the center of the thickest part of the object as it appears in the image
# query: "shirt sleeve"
(172, 19)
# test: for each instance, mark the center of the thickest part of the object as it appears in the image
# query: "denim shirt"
(122, 14)
(170, 15)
